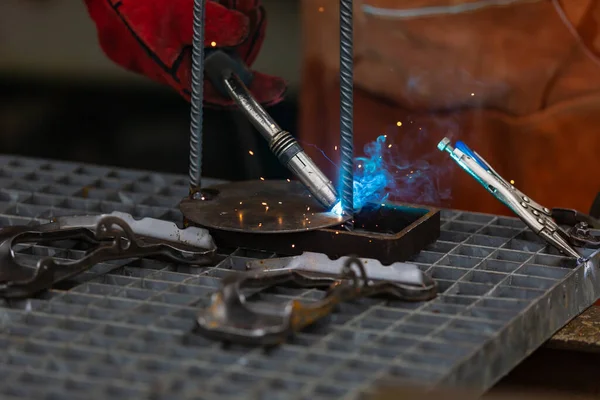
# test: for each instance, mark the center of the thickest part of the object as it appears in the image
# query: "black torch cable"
(346, 109)
(197, 96)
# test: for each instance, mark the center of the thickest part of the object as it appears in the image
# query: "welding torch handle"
(281, 142)
(257, 115)
(285, 147)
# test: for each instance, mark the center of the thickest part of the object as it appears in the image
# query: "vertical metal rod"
(347, 109)
(197, 96)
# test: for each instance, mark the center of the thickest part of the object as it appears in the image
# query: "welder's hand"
(154, 38)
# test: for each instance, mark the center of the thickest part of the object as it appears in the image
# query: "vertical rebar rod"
(346, 109)
(197, 96)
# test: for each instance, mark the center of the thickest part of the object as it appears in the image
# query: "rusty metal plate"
(392, 233)
(259, 207)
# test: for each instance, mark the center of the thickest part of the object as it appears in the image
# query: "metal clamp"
(542, 220)
(115, 239)
(150, 228)
(417, 284)
(231, 318)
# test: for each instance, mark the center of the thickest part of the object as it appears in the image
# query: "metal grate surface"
(122, 329)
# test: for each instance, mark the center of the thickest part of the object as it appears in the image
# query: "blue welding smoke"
(387, 172)
(371, 177)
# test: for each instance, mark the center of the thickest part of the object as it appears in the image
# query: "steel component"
(150, 228)
(570, 217)
(320, 264)
(502, 293)
(389, 234)
(197, 97)
(230, 317)
(115, 239)
(537, 218)
(580, 225)
(580, 236)
(259, 207)
(347, 109)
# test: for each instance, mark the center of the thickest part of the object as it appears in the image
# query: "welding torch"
(230, 76)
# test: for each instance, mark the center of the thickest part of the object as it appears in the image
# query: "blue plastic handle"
(465, 149)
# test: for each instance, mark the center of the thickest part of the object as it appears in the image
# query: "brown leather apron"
(518, 81)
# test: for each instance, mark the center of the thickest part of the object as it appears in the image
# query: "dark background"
(61, 98)
(134, 127)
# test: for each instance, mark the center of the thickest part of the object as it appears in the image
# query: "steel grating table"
(122, 330)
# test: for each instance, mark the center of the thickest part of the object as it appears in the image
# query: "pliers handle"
(544, 222)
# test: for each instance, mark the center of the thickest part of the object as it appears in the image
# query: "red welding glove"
(154, 38)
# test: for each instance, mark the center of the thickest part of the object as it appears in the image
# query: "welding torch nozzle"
(231, 78)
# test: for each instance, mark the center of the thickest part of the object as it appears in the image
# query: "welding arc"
(346, 109)
(197, 96)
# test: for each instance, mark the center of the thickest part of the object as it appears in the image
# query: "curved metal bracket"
(231, 318)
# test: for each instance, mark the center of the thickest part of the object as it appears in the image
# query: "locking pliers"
(545, 222)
